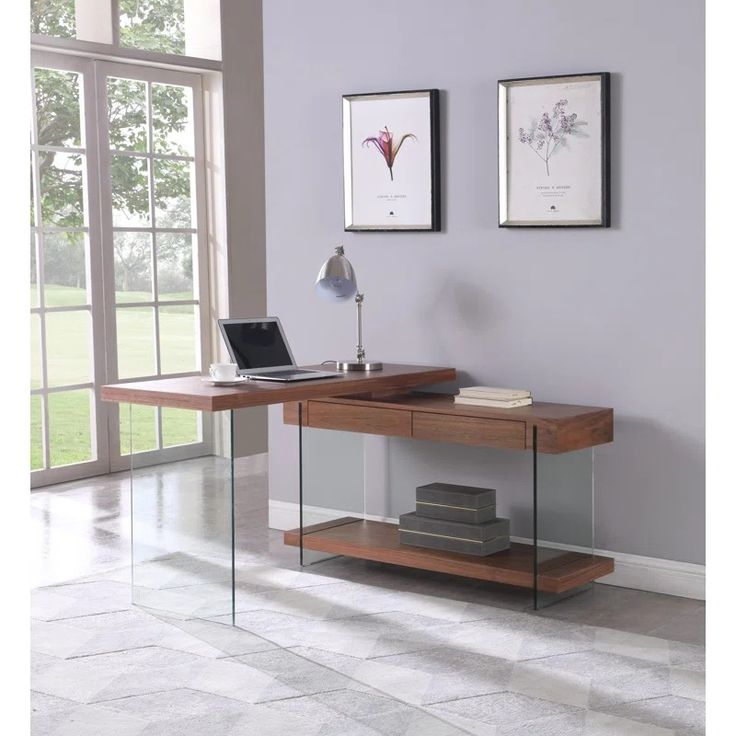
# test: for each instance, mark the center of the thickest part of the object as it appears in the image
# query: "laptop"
(260, 349)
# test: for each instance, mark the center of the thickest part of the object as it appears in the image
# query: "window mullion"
(154, 256)
(38, 244)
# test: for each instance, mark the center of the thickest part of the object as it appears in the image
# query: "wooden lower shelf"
(379, 541)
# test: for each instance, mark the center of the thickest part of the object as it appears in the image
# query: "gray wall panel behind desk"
(604, 317)
(244, 165)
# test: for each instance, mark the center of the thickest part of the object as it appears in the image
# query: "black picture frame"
(503, 138)
(434, 223)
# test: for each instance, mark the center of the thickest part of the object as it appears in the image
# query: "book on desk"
(493, 397)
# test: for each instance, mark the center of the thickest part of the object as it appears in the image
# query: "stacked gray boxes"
(455, 519)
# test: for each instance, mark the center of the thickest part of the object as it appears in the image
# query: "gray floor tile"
(567, 724)
(45, 703)
(453, 673)
(687, 627)
(88, 721)
(66, 601)
(595, 665)
(118, 674)
(635, 611)
(356, 704)
(630, 686)
(687, 683)
(300, 673)
(228, 640)
(174, 704)
(413, 722)
(666, 712)
(688, 656)
(504, 708)
(320, 718)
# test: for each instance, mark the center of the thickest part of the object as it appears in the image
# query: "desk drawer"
(468, 430)
(354, 418)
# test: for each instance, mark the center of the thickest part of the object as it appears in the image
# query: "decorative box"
(454, 536)
(456, 503)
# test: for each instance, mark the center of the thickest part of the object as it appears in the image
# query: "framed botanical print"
(553, 151)
(391, 161)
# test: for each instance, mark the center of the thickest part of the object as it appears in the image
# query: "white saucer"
(215, 382)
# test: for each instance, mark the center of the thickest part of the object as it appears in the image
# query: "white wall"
(603, 317)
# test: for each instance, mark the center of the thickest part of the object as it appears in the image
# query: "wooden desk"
(381, 403)
(191, 393)
(539, 428)
(425, 416)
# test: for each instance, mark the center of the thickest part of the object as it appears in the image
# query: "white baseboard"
(652, 574)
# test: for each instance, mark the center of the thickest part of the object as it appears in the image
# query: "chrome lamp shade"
(336, 282)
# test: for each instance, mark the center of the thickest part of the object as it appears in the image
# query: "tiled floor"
(343, 647)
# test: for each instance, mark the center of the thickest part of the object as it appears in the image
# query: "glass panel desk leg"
(564, 544)
(182, 524)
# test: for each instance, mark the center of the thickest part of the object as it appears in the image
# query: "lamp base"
(354, 365)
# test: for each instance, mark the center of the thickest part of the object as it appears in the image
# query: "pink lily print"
(385, 146)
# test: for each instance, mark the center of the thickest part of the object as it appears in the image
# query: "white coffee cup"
(223, 371)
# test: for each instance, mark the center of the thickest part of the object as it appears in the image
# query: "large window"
(118, 259)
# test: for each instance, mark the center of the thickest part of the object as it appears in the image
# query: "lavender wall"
(605, 317)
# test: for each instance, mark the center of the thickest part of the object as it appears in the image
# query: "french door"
(118, 261)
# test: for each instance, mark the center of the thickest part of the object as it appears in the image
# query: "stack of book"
(455, 519)
(495, 398)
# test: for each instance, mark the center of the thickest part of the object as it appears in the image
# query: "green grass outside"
(69, 351)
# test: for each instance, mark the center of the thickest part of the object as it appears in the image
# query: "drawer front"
(353, 418)
(468, 430)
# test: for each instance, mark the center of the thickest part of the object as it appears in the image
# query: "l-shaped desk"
(385, 403)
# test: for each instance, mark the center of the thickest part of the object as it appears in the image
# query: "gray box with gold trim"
(454, 536)
(456, 503)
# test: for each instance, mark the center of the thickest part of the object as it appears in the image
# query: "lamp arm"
(359, 303)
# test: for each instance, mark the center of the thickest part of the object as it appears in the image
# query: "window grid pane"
(37, 451)
(179, 336)
(145, 429)
(68, 347)
(65, 269)
(136, 342)
(70, 419)
(127, 111)
(180, 427)
(153, 26)
(133, 267)
(53, 18)
(58, 110)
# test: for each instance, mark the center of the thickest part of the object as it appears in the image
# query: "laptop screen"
(256, 344)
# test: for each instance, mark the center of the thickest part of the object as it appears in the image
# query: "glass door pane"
(153, 195)
(66, 425)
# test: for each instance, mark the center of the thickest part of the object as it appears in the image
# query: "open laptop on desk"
(260, 349)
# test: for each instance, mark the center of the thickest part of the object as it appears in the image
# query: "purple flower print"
(384, 143)
(550, 132)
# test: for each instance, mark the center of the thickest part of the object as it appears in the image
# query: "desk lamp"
(336, 282)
